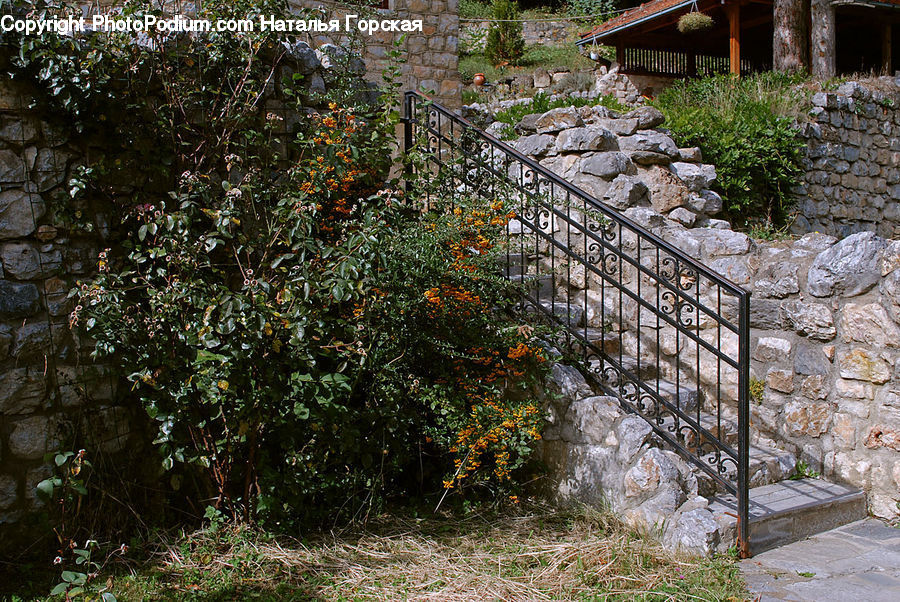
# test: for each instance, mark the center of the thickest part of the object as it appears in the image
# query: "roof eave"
(592, 38)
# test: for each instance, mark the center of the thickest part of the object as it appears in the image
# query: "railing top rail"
(596, 204)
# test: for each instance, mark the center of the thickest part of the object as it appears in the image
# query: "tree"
(505, 43)
(790, 46)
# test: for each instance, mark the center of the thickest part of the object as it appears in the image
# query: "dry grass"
(539, 554)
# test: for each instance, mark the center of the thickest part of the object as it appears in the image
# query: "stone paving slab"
(858, 561)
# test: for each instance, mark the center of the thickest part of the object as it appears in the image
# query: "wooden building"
(826, 37)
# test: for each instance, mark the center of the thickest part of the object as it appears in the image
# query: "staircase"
(645, 323)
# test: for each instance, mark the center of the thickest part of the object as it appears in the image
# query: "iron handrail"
(640, 391)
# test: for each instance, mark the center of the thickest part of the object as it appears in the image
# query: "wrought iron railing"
(650, 325)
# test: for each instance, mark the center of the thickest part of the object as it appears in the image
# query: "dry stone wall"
(852, 163)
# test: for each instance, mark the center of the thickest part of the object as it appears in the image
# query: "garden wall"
(852, 164)
(50, 391)
(825, 314)
(546, 33)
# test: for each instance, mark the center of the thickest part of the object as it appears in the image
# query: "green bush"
(305, 341)
(746, 128)
(580, 8)
(505, 43)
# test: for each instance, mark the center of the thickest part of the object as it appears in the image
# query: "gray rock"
(815, 241)
(331, 56)
(765, 314)
(12, 167)
(315, 84)
(541, 78)
(632, 432)
(619, 127)
(649, 158)
(683, 216)
(868, 324)
(590, 420)
(647, 117)
(33, 340)
(695, 532)
(626, 191)
(536, 145)
(809, 359)
(652, 469)
(650, 140)
(666, 191)
(721, 242)
(890, 289)
(22, 390)
(19, 212)
(849, 268)
(813, 320)
(567, 383)
(50, 168)
(305, 57)
(733, 268)
(645, 217)
(607, 165)
(586, 139)
(528, 124)
(772, 349)
(690, 155)
(31, 438)
(17, 130)
(777, 279)
(695, 176)
(556, 120)
(18, 300)
(23, 261)
(706, 202)
(9, 491)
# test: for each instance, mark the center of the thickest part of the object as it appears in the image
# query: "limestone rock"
(541, 78)
(50, 168)
(556, 120)
(607, 165)
(528, 123)
(690, 155)
(626, 191)
(890, 289)
(647, 117)
(590, 138)
(619, 127)
(772, 349)
(695, 177)
(809, 359)
(849, 268)
(666, 191)
(814, 387)
(777, 279)
(683, 216)
(652, 468)
(721, 242)
(859, 364)
(632, 433)
(734, 268)
(567, 382)
(695, 532)
(536, 145)
(868, 324)
(590, 420)
(649, 158)
(22, 390)
(780, 380)
(707, 202)
(813, 320)
(883, 436)
(24, 261)
(650, 141)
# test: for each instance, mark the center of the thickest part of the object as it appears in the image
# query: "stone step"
(767, 465)
(788, 511)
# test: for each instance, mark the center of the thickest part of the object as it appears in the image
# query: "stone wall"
(825, 314)
(852, 164)
(546, 33)
(432, 58)
(51, 394)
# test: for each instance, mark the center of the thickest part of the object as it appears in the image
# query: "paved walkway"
(859, 561)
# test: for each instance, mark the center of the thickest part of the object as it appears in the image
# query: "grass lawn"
(532, 553)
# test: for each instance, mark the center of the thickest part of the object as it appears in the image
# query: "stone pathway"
(859, 561)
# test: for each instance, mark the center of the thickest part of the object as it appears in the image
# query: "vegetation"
(746, 128)
(511, 553)
(535, 57)
(541, 103)
(505, 44)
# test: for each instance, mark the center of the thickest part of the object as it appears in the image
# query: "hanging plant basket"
(694, 22)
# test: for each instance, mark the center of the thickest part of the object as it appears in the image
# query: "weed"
(803, 471)
(757, 388)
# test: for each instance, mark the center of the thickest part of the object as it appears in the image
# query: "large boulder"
(695, 176)
(590, 138)
(607, 165)
(556, 120)
(650, 141)
(849, 268)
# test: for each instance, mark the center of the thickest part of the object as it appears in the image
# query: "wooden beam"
(734, 42)
(823, 39)
(886, 66)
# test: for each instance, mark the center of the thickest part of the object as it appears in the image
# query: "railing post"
(408, 124)
(743, 486)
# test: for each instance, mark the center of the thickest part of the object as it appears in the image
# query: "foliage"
(803, 471)
(535, 57)
(541, 103)
(505, 43)
(582, 8)
(757, 389)
(746, 128)
(694, 22)
(305, 341)
(474, 9)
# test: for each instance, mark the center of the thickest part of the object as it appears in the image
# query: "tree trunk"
(823, 46)
(790, 47)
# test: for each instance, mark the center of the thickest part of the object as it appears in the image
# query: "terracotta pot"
(478, 79)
